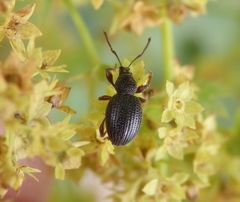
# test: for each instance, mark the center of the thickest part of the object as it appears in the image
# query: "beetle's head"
(124, 70)
(125, 83)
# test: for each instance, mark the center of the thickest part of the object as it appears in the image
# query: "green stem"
(83, 32)
(168, 49)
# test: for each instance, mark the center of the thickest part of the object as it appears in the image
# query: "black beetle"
(124, 113)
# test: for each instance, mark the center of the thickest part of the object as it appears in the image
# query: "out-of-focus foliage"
(187, 148)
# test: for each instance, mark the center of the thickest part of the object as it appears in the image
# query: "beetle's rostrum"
(123, 115)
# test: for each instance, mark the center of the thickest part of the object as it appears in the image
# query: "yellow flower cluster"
(27, 96)
(185, 133)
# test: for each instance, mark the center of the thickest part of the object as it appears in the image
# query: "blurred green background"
(210, 42)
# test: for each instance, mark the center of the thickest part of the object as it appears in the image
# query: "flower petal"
(25, 13)
(189, 121)
(51, 56)
(162, 132)
(174, 148)
(167, 116)
(184, 92)
(180, 178)
(27, 31)
(185, 120)
(151, 187)
(192, 107)
(19, 48)
(160, 153)
(106, 150)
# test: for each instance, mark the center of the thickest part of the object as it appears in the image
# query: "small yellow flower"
(167, 188)
(17, 28)
(181, 106)
(106, 148)
(175, 142)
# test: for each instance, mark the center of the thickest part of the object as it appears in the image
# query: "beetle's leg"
(142, 88)
(109, 76)
(148, 93)
(104, 97)
(142, 100)
(101, 128)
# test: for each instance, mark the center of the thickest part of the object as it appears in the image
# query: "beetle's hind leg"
(101, 128)
(142, 88)
(104, 97)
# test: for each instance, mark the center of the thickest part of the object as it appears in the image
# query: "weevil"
(123, 114)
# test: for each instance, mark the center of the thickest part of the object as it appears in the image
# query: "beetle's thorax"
(125, 83)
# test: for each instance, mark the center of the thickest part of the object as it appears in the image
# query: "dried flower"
(6, 5)
(183, 73)
(177, 10)
(137, 17)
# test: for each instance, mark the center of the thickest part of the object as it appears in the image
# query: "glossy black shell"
(123, 118)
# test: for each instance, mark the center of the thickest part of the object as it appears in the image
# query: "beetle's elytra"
(124, 113)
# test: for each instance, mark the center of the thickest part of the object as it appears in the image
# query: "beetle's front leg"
(104, 97)
(109, 76)
(142, 88)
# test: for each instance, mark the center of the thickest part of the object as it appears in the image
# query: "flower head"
(167, 188)
(17, 28)
(181, 105)
(175, 142)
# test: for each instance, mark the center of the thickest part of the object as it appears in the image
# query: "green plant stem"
(83, 32)
(168, 50)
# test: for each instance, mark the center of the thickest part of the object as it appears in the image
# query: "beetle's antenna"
(113, 51)
(140, 55)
